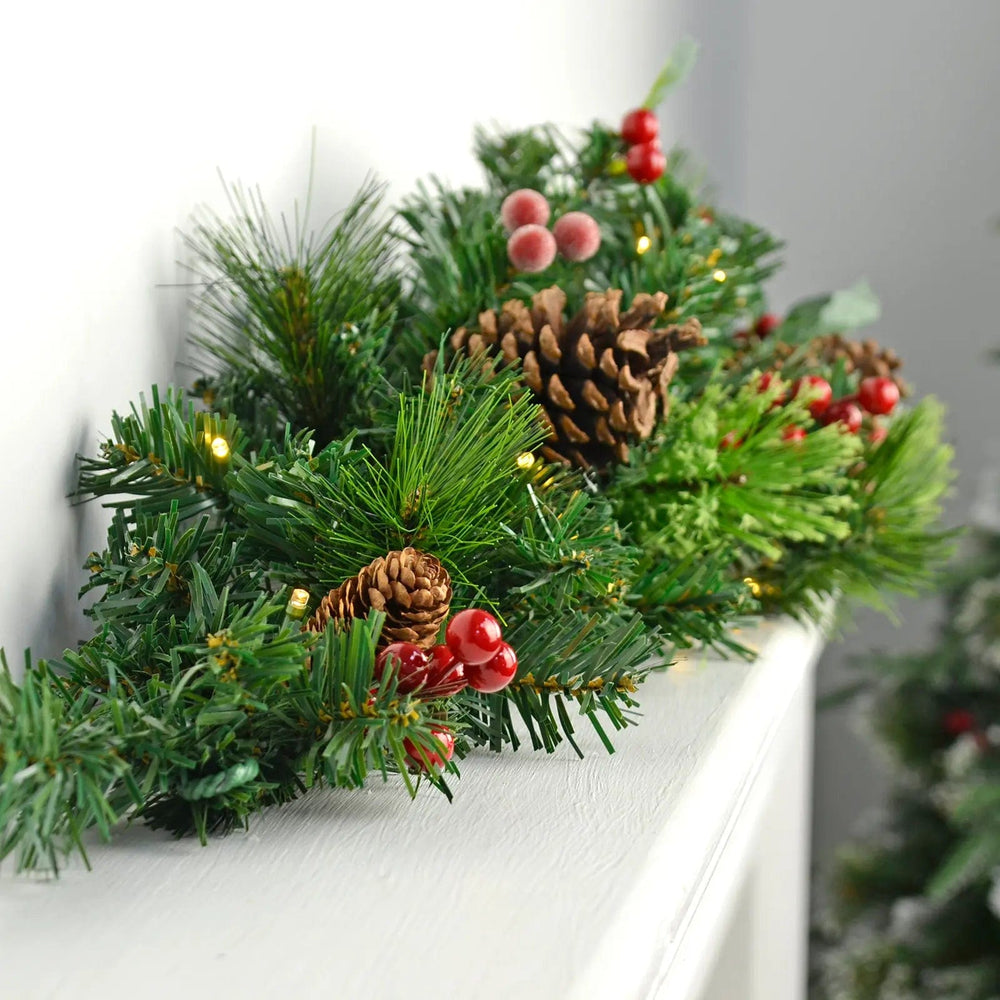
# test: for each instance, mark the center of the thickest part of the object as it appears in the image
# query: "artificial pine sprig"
(293, 323)
(446, 484)
(892, 544)
(722, 473)
(573, 666)
(167, 453)
(234, 711)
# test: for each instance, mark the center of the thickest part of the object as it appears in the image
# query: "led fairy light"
(297, 603)
(220, 448)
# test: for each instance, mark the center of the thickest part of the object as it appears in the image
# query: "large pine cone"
(600, 377)
(412, 588)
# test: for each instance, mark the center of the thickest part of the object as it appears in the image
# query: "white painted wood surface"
(549, 877)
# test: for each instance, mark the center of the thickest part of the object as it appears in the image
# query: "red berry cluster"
(474, 655)
(531, 247)
(876, 395)
(644, 160)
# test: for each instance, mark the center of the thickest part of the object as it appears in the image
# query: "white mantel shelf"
(657, 872)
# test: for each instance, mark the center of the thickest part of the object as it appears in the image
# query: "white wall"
(115, 120)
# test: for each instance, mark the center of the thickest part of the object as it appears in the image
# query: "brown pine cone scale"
(601, 377)
(411, 587)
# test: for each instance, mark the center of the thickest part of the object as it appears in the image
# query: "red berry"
(793, 433)
(818, 391)
(878, 394)
(958, 721)
(531, 248)
(645, 163)
(474, 637)
(578, 236)
(878, 435)
(495, 674)
(444, 736)
(524, 208)
(639, 126)
(409, 662)
(445, 675)
(730, 440)
(847, 412)
(767, 380)
(766, 325)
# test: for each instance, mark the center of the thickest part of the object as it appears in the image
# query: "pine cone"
(601, 377)
(862, 356)
(412, 588)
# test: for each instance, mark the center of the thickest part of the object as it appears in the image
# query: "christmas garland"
(457, 477)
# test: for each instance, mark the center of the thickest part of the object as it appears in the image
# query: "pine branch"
(569, 664)
(893, 544)
(446, 485)
(720, 475)
(162, 456)
(61, 772)
(299, 317)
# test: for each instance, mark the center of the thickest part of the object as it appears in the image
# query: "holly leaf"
(678, 66)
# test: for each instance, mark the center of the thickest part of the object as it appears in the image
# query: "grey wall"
(867, 135)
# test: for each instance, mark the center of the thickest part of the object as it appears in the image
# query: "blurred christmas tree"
(914, 912)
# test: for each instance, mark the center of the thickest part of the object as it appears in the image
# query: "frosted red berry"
(846, 412)
(878, 394)
(524, 208)
(766, 325)
(445, 674)
(878, 435)
(730, 440)
(495, 674)
(639, 126)
(645, 163)
(793, 434)
(431, 757)
(578, 236)
(474, 637)
(818, 391)
(409, 663)
(531, 248)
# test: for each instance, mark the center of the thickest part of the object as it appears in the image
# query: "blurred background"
(863, 133)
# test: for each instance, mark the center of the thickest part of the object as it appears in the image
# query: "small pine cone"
(862, 356)
(601, 377)
(412, 588)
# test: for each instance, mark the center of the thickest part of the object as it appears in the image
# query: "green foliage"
(162, 453)
(571, 664)
(720, 473)
(711, 265)
(676, 70)
(446, 485)
(293, 323)
(892, 544)
(196, 728)
(199, 701)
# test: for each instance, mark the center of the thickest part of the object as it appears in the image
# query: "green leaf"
(678, 66)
